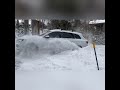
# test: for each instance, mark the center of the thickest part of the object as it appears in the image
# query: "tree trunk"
(42, 25)
(35, 27)
(38, 24)
(26, 26)
(17, 24)
(104, 27)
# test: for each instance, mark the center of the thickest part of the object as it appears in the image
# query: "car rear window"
(77, 36)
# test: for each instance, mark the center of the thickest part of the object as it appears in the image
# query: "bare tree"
(17, 24)
(42, 21)
(35, 27)
(26, 26)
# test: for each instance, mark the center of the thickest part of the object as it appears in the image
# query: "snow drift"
(40, 54)
(77, 60)
(38, 46)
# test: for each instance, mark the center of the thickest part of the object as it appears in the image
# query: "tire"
(80, 46)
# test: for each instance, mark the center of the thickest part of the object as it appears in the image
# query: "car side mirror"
(47, 36)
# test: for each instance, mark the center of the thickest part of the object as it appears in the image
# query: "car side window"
(77, 36)
(67, 35)
(54, 35)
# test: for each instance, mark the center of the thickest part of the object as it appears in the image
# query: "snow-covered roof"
(69, 31)
(55, 30)
(96, 21)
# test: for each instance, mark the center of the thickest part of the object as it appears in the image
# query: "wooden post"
(95, 56)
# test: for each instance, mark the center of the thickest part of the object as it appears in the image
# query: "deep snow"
(58, 65)
(81, 59)
(36, 53)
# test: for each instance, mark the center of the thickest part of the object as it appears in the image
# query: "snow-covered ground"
(59, 65)
(33, 80)
(78, 60)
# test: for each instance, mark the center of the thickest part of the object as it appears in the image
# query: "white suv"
(74, 37)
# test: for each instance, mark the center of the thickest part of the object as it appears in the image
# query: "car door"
(68, 36)
(83, 42)
(79, 40)
(73, 38)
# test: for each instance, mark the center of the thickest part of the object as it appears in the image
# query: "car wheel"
(80, 46)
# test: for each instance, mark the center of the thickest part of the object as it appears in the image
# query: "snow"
(36, 45)
(60, 80)
(59, 65)
(76, 60)
(96, 21)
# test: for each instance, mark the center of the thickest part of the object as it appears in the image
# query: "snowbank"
(77, 60)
